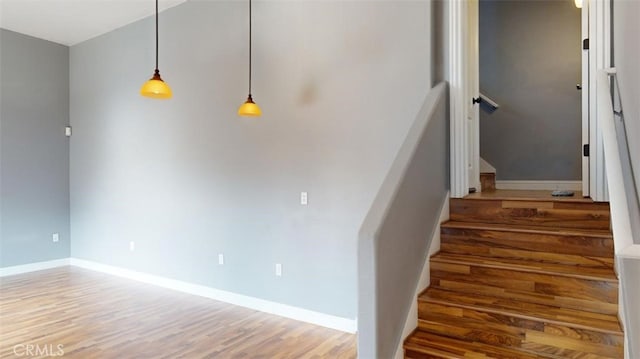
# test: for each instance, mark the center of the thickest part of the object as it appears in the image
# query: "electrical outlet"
(278, 270)
(55, 237)
(303, 198)
(132, 246)
(221, 259)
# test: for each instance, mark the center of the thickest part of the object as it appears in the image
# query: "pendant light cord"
(157, 36)
(249, 48)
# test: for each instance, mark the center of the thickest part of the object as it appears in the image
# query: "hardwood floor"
(94, 315)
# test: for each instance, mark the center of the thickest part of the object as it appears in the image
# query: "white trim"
(411, 322)
(283, 310)
(599, 58)
(586, 160)
(33, 267)
(472, 88)
(459, 143)
(540, 185)
(486, 167)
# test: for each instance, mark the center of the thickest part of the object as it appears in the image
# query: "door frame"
(464, 148)
(464, 142)
(599, 15)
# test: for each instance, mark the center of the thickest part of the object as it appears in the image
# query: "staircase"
(521, 275)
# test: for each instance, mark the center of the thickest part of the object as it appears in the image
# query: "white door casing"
(586, 189)
(463, 87)
(599, 13)
(473, 88)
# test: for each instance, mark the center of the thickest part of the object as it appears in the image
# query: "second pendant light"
(249, 108)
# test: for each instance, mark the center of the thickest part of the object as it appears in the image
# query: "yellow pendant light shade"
(249, 108)
(578, 4)
(156, 88)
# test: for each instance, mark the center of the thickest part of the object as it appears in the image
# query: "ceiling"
(69, 22)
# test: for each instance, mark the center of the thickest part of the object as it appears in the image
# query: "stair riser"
(544, 284)
(538, 213)
(488, 182)
(427, 345)
(507, 331)
(413, 354)
(545, 245)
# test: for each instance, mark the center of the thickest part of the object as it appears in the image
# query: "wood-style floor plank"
(94, 315)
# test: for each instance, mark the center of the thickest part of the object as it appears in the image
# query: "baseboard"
(540, 185)
(33, 267)
(283, 310)
(411, 322)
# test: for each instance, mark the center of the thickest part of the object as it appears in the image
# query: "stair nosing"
(436, 257)
(501, 227)
(511, 312)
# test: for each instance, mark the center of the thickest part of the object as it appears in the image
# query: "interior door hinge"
(585, 150)
(585, 44)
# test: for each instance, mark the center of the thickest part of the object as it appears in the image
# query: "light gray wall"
(530, 63)
(34, 153)
(626, 16)
(627, 63)
(396, 234)
(339, 84)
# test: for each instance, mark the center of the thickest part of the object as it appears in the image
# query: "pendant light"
(249, 108)
(578, 4)
(156, 87)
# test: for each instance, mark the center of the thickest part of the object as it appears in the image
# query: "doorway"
(561, 152)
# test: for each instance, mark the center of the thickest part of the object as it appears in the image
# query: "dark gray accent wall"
(339, 84)
(34, 152)
(530, 63)
(397, 232)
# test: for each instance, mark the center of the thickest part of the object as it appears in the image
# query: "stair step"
(529, 195)
(553, 245)
(551, 339)
(522, 241)
(512, 310)
(424, 345)
(595, 288)
(544, 213)
(528, 266)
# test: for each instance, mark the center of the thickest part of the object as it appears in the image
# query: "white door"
(473, 92)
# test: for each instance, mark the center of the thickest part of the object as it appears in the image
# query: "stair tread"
(521, 228)
(525, 265)
(607, 323)
(446, 347)
(527, 195)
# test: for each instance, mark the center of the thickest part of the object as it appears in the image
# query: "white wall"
(339, 84)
